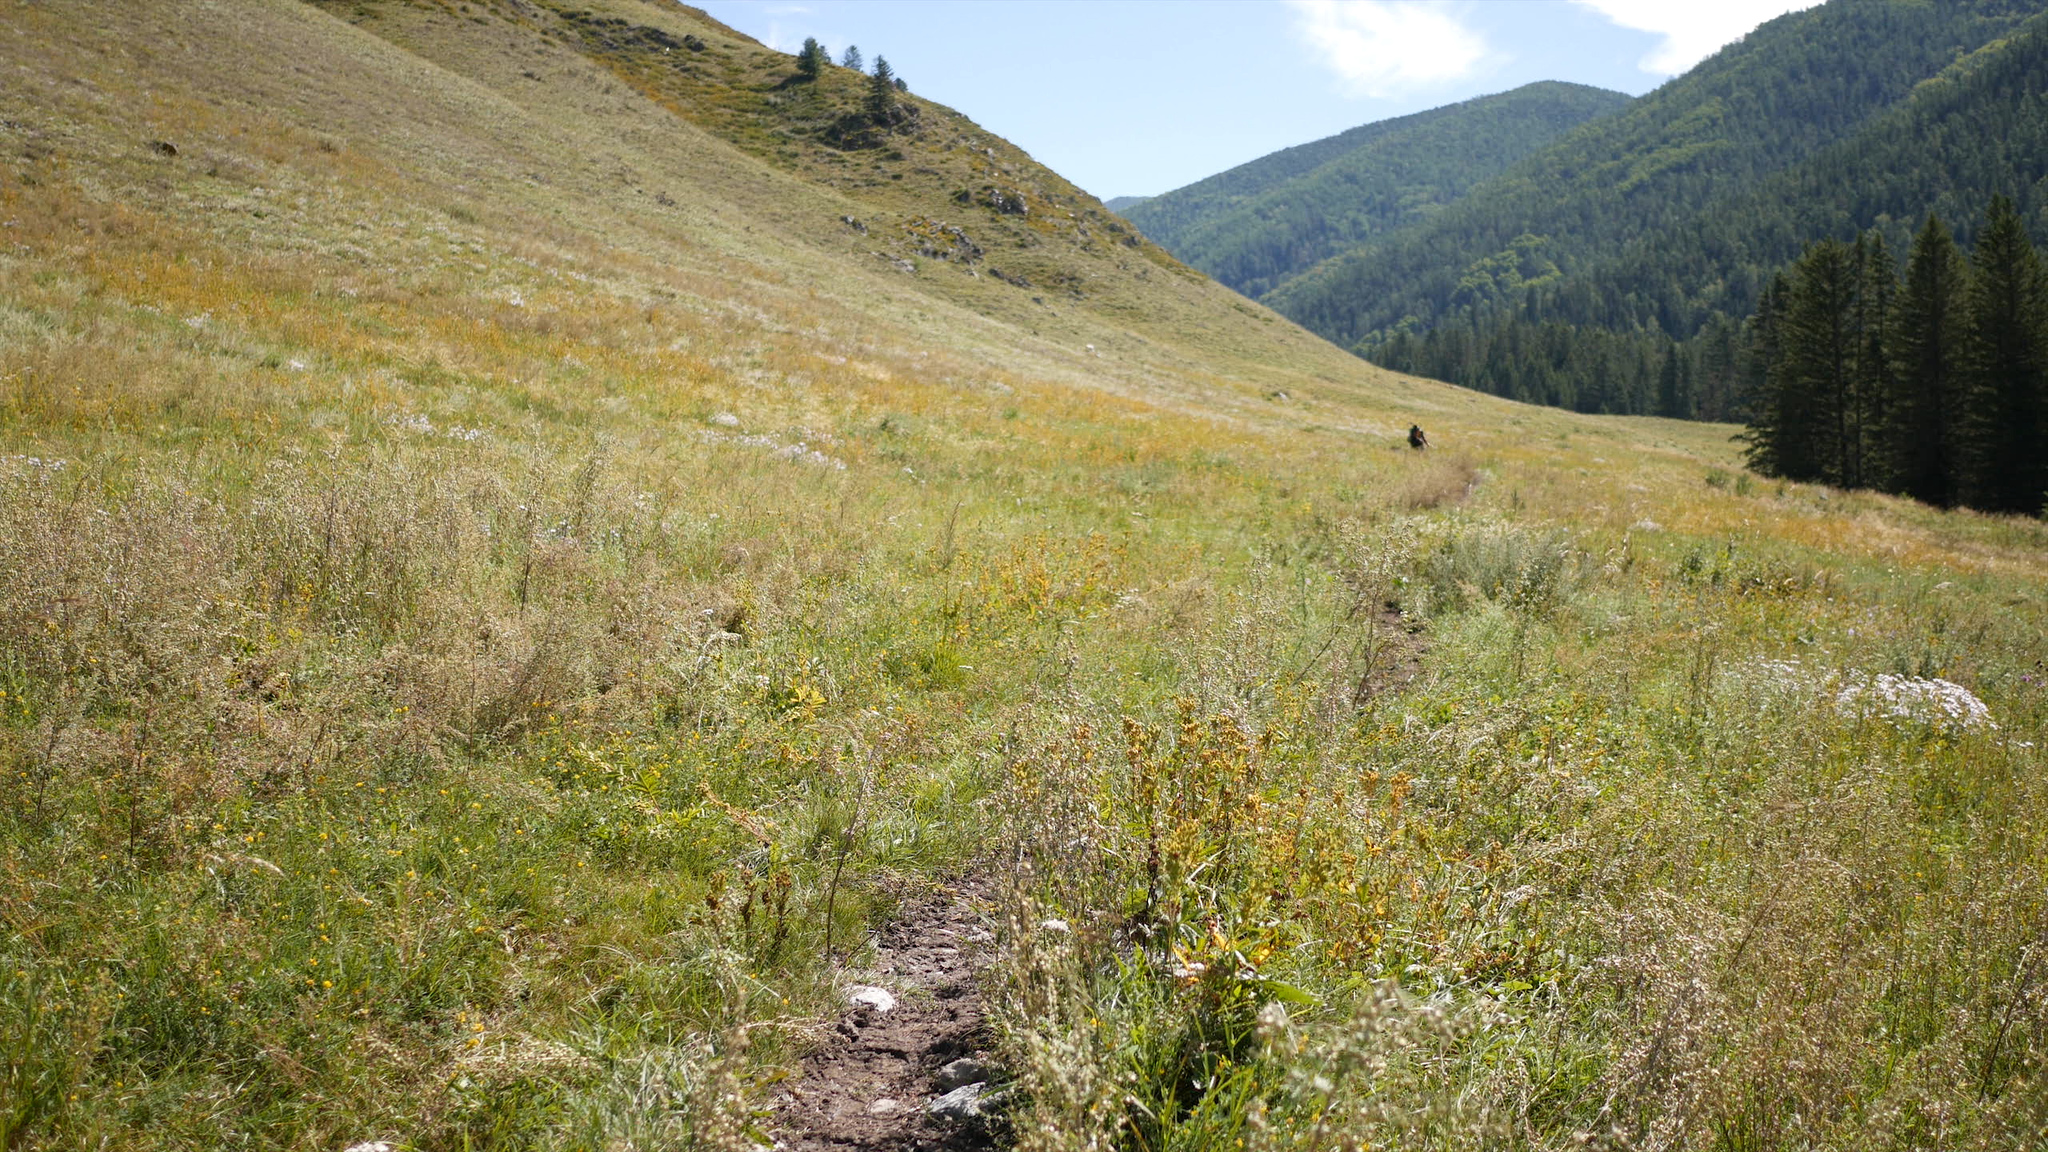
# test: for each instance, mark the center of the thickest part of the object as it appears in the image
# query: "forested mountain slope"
(1566, 279)
(1256, 225)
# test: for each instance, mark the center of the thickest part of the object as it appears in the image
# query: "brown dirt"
(1397, 658)
(930, 959)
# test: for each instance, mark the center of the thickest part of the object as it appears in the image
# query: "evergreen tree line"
(1934, 385)
(880, 103)
(1584, 367)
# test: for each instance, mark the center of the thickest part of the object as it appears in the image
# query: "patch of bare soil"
(873, 1082)
(1397, 656)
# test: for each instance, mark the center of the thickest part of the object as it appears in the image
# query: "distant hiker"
(1415, 437)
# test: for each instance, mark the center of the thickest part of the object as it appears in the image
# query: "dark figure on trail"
(1415, 437)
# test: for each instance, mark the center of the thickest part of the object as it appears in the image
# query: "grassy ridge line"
(438, 506)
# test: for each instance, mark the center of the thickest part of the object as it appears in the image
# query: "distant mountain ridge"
(1571, 278)
(1255, 226)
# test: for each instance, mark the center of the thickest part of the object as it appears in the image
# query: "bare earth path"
(869, 1086)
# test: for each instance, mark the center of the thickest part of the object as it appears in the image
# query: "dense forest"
(1611, 270)
(1650, 329)
(1934, 386)
(1257, 225)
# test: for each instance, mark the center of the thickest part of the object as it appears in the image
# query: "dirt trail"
(870, 1084)
(1397, 658)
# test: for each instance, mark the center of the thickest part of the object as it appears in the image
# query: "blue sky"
(1134, 97)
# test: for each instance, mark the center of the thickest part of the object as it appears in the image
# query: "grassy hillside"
(1260, 224)
(1566, 279)
(502, 589)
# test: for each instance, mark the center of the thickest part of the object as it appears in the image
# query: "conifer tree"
(1674, 386)
(2003, 429)
(851, 58)
(1760, 354)
(881, 101)
(812, 59)
(1718, 388)
(1875, 298)
(1813, 381)
(1921, 417)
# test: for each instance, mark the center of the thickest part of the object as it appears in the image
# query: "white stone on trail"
(966, 1070)
(869, 996)
(372, 1146)
(883, 1107)
(964, 1103)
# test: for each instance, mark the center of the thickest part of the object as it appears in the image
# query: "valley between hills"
(564, 585)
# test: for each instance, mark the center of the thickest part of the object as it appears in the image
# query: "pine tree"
(1760, 353)
(1719, 363)
(1875, 299)
(851, 59)
(2003, 429)
(812, 59)
(1674, 386)
(1921, 416)
(1813, 385)
(881, 101)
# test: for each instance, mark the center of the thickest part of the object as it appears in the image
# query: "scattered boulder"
(967, 1102)
(966, 1070)
(1006, 201)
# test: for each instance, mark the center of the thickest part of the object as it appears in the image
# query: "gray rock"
(967, 1102)
(966, 1070)
(867, 997)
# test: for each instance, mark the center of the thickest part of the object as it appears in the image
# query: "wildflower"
(1884, 695)
(1943, 703)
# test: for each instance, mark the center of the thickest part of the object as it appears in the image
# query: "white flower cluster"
(800, 452)
(34, 463)
(1943, 703)
(419, 425)
(1884, 695)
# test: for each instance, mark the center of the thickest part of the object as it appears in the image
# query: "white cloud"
(1692, 31)
(1388, 47)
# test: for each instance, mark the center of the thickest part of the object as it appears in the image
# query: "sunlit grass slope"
(500, 586)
